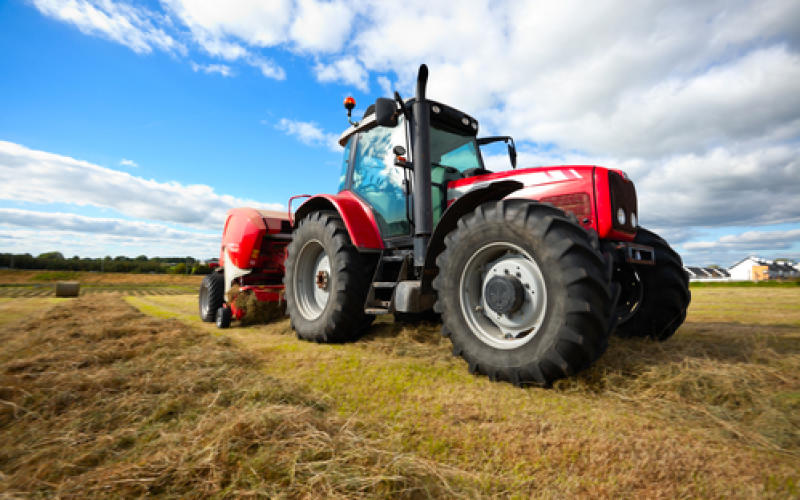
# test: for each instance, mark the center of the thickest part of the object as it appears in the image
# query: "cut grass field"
(25, 283)
(103, 399)
(28, 277)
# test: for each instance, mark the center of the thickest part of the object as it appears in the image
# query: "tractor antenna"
(349, 104)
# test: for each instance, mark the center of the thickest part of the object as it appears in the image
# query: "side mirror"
(386, 112)
(512, 148)
(512, 154)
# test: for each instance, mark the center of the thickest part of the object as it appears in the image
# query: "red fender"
(357, 216)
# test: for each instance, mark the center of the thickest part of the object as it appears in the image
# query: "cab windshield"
(451, 155)
(453, 150)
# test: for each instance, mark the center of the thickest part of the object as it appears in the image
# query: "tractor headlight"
(621, 216)
(622, 195)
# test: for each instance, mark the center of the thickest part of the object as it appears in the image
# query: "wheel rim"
(312, 280)
(511, 330)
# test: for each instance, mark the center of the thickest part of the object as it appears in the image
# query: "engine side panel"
(582, 190)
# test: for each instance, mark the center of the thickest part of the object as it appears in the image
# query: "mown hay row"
(99, 400)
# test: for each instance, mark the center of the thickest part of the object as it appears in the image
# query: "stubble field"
(123, 395)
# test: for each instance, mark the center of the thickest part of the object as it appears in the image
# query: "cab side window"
(345, 166)
(378, 181)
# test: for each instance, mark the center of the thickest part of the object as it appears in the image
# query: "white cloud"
(51, 178)
(321, 26)
(221, 69)
(128, 163)
(309, 133)
(386, 86)
(254, 22)
(662, 79)
(722, 187)
(135, 27)
(346, 70)
(750, 241)
(36, 241)
(224, 29)
(268, 68)
(59, 221)
(737, 101)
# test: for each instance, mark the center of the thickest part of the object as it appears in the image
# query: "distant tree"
(51, 255)
(179, 268)
(201, 269)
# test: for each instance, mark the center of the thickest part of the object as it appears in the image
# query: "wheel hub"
(504, 294)
(322, 280)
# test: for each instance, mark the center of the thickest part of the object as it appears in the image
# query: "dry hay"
(99, 400)
(255, 311)
(67, 288)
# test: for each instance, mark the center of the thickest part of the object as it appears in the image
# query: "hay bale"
(67, 288)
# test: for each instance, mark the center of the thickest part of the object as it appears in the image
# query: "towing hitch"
(633, 253)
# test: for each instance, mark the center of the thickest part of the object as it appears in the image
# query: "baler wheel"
(326, 281)
(223, 317)
(664, 292)
(212, 296)
(523, 292)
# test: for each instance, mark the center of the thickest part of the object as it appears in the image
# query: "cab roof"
(442, 116)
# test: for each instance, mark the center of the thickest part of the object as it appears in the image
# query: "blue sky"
(130, 128)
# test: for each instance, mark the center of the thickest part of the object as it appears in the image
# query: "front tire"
(326, 281)
(523, 293)
(211, 296)
(662, 292)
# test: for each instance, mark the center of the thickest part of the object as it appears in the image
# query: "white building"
(754, 268)
(706, 273)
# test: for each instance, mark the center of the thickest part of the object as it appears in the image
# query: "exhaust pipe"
(421, 133)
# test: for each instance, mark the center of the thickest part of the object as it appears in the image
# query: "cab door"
(378, 181)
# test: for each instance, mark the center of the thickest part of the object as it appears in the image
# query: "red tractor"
(530, 270)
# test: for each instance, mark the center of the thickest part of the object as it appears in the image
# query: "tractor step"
(391, 268)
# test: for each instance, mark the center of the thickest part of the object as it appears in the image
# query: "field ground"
(23, 283)
(104, 397)
(30, 277)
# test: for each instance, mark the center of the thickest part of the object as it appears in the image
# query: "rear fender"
(356, 215)
(493, 192)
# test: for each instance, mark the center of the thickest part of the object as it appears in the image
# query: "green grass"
(745, 284)
(55, 276)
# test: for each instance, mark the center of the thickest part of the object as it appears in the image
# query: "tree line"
(142, 264)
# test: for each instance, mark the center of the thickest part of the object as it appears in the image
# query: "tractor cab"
(378, 164)
(378, 161)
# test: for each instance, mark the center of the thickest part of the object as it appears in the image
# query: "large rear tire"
(212, 296)
(523, 293)
(661, 291)
(326, 281)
